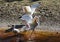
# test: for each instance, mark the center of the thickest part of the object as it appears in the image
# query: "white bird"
(28, 19)
(30, 9)
(29, 12)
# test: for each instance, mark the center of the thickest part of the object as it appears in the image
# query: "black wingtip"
(8, 30)
(20, 17)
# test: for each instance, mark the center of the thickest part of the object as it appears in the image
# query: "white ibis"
(29, 12)
(30, 21)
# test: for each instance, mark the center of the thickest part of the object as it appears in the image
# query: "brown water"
(29, 36)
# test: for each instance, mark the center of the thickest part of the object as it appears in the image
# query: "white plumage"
(17, 30)
(28, 18)
(29, 12)
(30, 9)
(33, 7)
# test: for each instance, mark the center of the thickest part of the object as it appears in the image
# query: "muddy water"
(29, 36)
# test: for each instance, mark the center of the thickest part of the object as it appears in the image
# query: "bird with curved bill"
(28, 20)
(29, 10)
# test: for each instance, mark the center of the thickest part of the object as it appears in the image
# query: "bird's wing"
(33, 7)
(26, 9)
(27, 18)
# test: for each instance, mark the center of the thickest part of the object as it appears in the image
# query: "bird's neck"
(30, 15)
